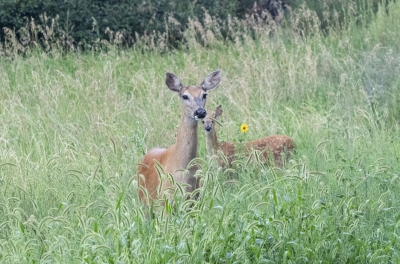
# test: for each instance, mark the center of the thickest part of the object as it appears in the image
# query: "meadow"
(74, 127)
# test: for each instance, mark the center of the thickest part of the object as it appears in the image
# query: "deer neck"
(209, 145)
(186, 141)
(212, 142)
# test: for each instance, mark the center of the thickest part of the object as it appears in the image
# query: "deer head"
(193, 97)
(208, 121)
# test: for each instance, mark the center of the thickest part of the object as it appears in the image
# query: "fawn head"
(208, 121)
(193, 97)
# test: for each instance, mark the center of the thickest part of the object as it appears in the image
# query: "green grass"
(74, 127)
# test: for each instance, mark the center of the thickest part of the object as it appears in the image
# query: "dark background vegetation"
(87, 20)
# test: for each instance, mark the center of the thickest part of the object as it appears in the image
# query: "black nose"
(200, 113)
(208, 128)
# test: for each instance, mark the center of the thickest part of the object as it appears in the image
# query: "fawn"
(274, 144)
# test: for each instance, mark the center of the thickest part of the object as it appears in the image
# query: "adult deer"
(175, 159)
(274, 144)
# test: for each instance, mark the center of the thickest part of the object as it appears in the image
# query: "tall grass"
(74, 126)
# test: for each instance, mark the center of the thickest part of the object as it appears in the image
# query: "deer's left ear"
(211, 81)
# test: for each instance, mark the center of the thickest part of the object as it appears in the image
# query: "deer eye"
(185, 97)
(202, 121)
(204, 96)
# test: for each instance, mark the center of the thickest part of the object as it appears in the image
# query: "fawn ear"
(211, 81)
(217, 112)
(173, 82)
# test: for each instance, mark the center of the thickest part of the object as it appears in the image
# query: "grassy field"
(74, 127)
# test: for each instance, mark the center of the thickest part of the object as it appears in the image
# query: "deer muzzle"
(200, 113)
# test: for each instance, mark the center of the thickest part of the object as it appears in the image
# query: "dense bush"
(340, 12)
(86, 21)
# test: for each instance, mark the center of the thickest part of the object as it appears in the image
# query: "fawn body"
(175, 159)
(275, 145)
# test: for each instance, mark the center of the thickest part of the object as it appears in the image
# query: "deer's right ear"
(173, 82)
(211, 81)
(218, 111)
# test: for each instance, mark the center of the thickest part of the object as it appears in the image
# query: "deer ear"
(211, 81)
(173, 82)
(218, 112)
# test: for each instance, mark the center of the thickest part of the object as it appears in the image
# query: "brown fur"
(175, 159)
(274, 145)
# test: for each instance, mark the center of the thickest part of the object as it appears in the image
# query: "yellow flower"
(244, 128)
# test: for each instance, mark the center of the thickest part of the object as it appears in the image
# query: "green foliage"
(87, 20)
(333, 14)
